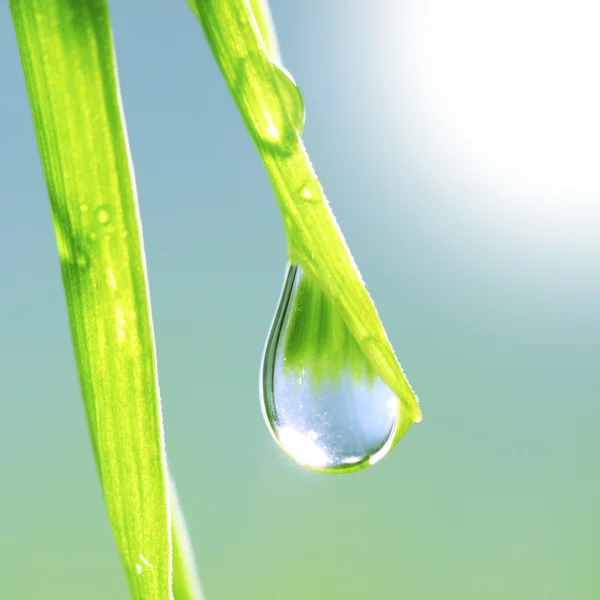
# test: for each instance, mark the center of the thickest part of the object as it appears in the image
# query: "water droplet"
(83, 207)
(103, 215)
(275, 110)
(291, 96)
(323, 401)
(311, 192)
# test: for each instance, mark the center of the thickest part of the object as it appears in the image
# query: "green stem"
(262, 15)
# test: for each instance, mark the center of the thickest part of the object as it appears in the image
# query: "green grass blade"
(186, 583)
(314, 239)
(262, 15)
(67, 55)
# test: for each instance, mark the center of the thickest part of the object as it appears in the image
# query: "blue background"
(495, 495)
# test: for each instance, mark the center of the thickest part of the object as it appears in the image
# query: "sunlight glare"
(506, 96)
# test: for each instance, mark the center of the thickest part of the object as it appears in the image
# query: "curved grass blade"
(67, 55)
(314, 240)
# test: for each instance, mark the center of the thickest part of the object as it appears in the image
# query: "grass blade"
(315, 243)
(262, 15)
(186, 583)
(67, 55)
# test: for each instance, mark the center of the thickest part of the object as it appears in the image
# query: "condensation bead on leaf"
(291, 96)
(277, 118)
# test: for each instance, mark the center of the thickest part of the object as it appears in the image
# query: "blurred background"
(459, 145)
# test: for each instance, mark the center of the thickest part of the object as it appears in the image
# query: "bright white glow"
(392, 405)
(271, 131)
(302, 447)
(505, 96)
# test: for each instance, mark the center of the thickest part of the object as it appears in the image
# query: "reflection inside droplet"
(322, 399)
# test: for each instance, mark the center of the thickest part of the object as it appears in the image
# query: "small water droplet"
(291, 96)
(83, 207)
(275, 111)
(322, 400)
(307, 194)
(103, 215)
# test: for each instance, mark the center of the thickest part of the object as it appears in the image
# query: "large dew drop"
(323, 402)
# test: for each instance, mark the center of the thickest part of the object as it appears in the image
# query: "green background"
(495, 495)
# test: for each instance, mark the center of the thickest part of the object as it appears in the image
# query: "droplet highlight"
(322, 399)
